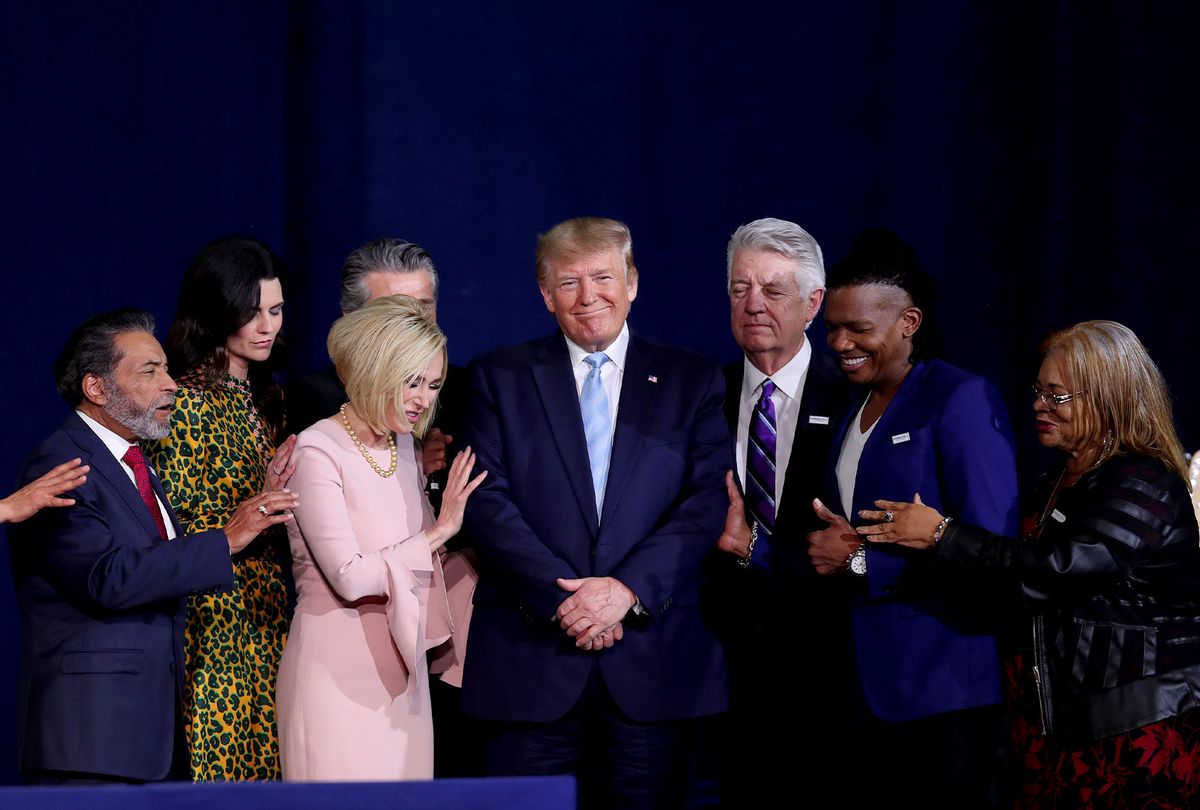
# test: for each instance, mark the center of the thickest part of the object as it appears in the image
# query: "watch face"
(858, 562)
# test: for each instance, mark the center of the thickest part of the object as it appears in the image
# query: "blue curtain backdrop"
(1041, 156)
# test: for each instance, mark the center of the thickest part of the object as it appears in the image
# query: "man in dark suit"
(782, 401)
(390, 266)
(605, 455)
(102, 583)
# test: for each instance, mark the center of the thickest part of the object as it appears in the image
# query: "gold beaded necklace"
(362, 448)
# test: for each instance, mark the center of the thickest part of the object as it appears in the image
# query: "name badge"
(1058, 516)
(900, 438)
(818, 420)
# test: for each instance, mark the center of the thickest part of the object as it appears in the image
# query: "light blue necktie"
(597, 424)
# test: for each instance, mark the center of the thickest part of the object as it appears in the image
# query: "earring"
(1106, 446)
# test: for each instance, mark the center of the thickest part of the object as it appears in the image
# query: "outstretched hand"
(911, 524)
(44, 492)
(830, 548)
(459, 486)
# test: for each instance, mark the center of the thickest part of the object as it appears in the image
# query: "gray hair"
(381, 255)
(92, 349)
(788, 240)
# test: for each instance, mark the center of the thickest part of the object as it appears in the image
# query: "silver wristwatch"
(858, 561)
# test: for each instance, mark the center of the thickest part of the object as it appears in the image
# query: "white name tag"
(900, 438)
(818, 420)
(1059, 516)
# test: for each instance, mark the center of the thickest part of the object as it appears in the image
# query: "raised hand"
(280, 470)
(829, 549)
(735, 537)
(459, 486)
(433, 450)
(44, 492)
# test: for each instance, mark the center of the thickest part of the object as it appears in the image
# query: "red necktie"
(141, 474)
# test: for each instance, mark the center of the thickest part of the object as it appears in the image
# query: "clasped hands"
(593, 612)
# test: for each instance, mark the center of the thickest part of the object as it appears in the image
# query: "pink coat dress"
(353, 689)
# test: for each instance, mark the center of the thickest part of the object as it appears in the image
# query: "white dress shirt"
(118, 446)
(789, 388)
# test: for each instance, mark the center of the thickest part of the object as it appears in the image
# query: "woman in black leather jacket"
(1105, 688)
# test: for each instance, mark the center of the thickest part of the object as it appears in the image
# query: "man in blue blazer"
(102, 584)
(605, 455)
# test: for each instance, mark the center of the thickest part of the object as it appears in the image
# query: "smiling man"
(102, 583)
(605, 454)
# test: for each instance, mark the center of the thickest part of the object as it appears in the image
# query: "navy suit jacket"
(102, 603)
(924, 646)
(534, 520)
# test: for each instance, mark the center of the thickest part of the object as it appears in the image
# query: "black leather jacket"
(1113, 586)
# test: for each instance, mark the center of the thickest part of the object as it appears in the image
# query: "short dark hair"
(879, 256)
(92, 349)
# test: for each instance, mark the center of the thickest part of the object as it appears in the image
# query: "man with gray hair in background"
(391, 266)
(783, 401)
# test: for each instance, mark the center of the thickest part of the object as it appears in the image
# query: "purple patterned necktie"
(760, 471)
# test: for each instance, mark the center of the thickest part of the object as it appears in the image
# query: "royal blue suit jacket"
(534, 520)
(102, 603)
(923, 645)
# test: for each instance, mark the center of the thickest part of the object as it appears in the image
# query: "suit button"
(172, 667)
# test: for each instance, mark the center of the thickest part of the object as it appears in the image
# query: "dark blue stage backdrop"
(1040, 156)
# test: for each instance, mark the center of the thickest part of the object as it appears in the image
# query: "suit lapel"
(556, 387)
(892, 422)
(103, 462)
(814, 401)
(637, 400)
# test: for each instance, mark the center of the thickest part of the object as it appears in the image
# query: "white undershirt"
(848, 458)
(789, 388)
(118, 446)
(611, 373)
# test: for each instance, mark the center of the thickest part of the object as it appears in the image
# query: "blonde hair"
(1124, 392)
(584, 236)
(379, 350)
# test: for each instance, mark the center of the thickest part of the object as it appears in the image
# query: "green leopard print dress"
(215, 458)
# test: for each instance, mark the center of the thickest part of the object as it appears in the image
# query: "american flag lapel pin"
(652, 378)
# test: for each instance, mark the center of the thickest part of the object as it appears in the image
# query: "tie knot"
(596, 359)
(768, 388)
(133, 457)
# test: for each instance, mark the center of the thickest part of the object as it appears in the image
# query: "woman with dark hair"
(1104, 682)
(926, 656)
(222, 450)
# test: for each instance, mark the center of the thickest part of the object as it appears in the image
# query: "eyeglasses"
(1052, 401)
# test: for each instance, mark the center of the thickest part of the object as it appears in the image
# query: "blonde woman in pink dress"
(353, 689)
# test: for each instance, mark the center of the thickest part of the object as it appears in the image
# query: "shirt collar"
(787, 379)
(616, 350)
(115, 444)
